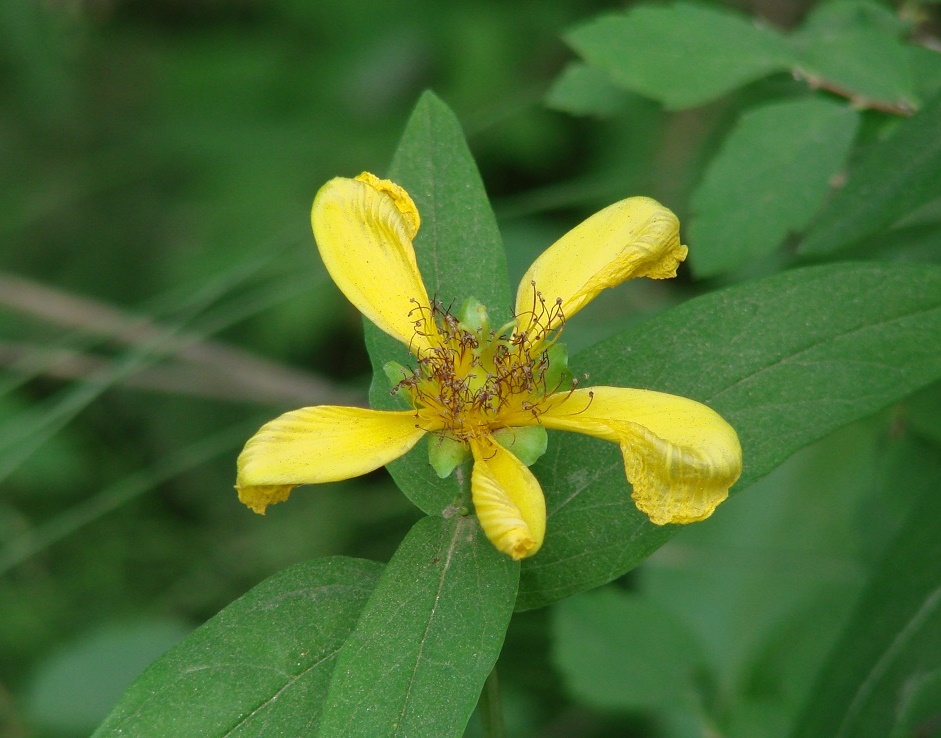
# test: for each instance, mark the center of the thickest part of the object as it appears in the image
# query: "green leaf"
(913, 240)
(854, 46)
(428, 638)
(786, 360)
(924, 413)
(907, 468)
(884, 677)
(683, 54)
(926, 70)
(897, 176)
(618, 650)
(582, 89)
(769, 178)
(460, 255)
(460, 252)
(259, 667)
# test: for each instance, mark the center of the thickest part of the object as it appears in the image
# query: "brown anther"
(467, 380)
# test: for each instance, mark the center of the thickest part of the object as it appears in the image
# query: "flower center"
(472, 378)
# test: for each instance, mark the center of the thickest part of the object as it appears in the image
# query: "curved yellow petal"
(636, 237)
(680, 456)
(508, 500)
(319, 444)
(364, 229)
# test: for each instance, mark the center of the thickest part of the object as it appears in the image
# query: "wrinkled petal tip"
(506, 530)
(402, 200)
(667, 266)
(514, 540)
(682, 485)
(257, 499)
(660, 239)
(523, 548)
(678, 511)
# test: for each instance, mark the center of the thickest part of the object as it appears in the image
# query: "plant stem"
(491, 713)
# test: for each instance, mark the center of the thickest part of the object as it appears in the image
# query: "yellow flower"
(491, 392)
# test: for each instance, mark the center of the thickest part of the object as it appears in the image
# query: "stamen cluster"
(471, 376)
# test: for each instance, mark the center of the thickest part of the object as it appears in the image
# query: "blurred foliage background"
(160, 297)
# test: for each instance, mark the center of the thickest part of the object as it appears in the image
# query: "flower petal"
(508, 500)
(680, 456)
(319, 444)
(364, 229)
(636, 237)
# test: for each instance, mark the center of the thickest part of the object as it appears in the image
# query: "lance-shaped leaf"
(786, 360)
(460, 255)
(259, 667)
(884, 677)
(769, 179)
(855, 46)
(428, 638)
(582, 89)
(897, 176)
(683, 54)
(459, 249)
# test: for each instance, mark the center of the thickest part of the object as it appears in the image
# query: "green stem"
(462, 475)
(491, 713)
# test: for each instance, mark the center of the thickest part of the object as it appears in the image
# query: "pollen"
(471, 377)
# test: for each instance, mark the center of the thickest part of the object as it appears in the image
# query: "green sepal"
(396, 372)
(473, 315)
(527, 443)
(558, 377)
(445, 454)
